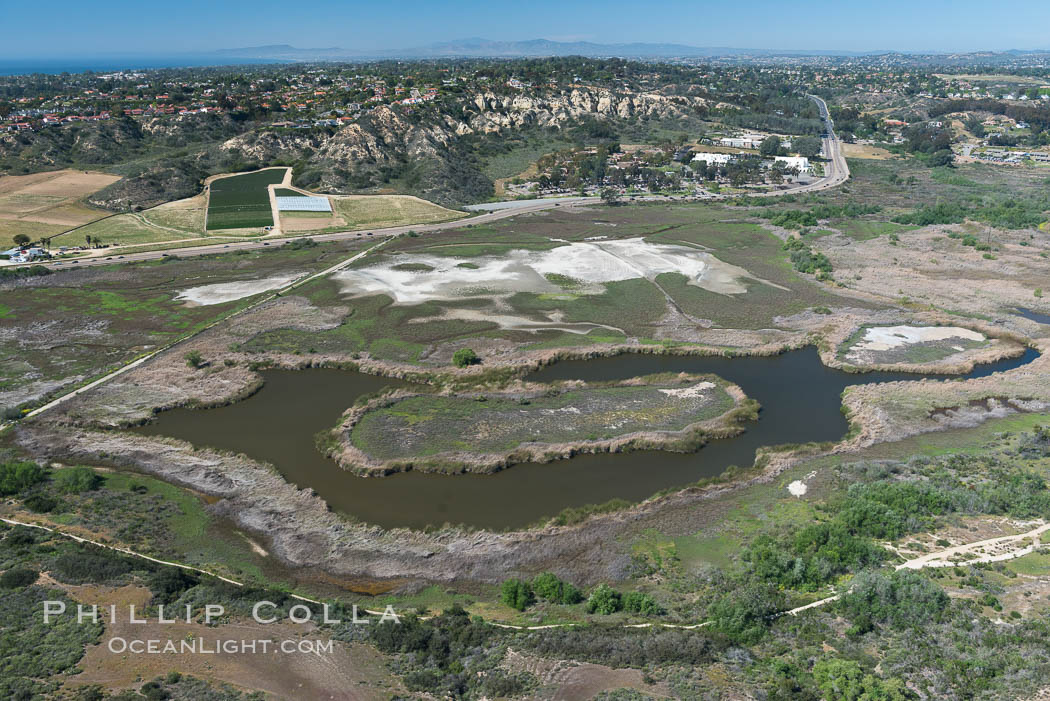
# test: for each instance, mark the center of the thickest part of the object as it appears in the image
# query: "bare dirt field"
(42, 204)
(379, 211)
(351, 671)
(562, 680)
(173, 221)
(929, 266)
(865, 151)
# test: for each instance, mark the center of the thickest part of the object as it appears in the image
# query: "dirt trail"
(944, 558)
(940, 558)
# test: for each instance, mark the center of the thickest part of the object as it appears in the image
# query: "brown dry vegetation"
(44, 204)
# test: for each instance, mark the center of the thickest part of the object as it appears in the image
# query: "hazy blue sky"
(76, 27)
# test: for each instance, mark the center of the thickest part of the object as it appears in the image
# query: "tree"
(548, 586)
(845, 680)
(464, 357)
(21, 239)
(901, 599)
(604, 600)
(942, 158)
(807, 146)
(18, 577)
(16, 476)
(517, 594)
(744, 614)
(610, 196)
(195, 360)
(76, 480)
(770, 146)
(637, 602)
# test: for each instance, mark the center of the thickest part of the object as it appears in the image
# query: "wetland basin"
(800, 399)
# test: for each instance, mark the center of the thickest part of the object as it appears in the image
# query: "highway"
(836, 171)
(111, 256)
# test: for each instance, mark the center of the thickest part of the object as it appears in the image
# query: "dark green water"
(800, 400)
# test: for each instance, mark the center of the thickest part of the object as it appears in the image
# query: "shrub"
(18, 577)
(517, 594)
(604, 600)
(744, 614)
(18, 475)
(194, 360)
(637, 602)
(844, 679)
(169, 583)
(900, 599)
(95, 565)
(41, 503)
(550, 587)
(464, 357)
(76, 480)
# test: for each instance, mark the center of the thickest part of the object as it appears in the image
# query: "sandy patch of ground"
(885, 338)
(222, 292)
(865, 151)
(591, 263)
(798, 488)
(696, 390)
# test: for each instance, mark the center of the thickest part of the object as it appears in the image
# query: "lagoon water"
(1034, 316)
(800, 400)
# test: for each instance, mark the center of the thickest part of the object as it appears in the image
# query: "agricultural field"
(242, 201)
(423, 429)
(382, 211)
(44, 204)
(171, 222)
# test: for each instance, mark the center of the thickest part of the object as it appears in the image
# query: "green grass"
(863, 229)
(632, 306)
(242, 201)
(1035, 564)
(374, 325)
(751, 247)
(431, 425)
(514, 161)
(115, 313)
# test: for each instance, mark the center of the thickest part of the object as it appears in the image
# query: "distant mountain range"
(486, 48)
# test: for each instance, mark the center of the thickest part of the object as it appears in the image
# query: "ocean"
(106, 64)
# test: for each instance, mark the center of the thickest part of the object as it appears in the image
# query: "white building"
(800, 162)
(715, 158)
(745, 141)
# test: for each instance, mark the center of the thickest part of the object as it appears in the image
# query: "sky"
(116, 27)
